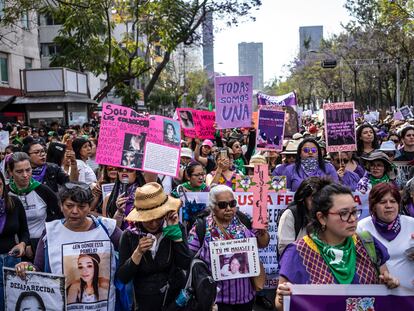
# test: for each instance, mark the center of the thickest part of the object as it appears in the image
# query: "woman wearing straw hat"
(152, 247)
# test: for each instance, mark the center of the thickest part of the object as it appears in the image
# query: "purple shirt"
(236, 291)
(295, 177)
(280, 170)
(350, 180)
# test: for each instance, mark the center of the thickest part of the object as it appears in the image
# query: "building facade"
(251, 62)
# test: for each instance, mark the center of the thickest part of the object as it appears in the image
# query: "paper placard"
(234, 259)
(271, 129)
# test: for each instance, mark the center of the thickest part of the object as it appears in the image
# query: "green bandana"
(33, 184)
(173, 232)
(187, 186)
(375, 181)
(239, 164)
(341, 259)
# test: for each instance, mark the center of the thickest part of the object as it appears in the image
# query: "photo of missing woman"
(186, 118)
(30, 301)
(171, 133)
(234, 265)
(132, 159)
(134, 142)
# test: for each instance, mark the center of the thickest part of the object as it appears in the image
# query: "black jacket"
(54, 176)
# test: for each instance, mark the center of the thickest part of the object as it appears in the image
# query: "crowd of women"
(53, 194)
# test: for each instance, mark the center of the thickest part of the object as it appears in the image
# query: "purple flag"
(288, 99)
(234, 101)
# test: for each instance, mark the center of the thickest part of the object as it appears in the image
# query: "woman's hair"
(393, 134)
(77, 145)
(189, 170)
(360, 143)
(95, 281)
(215, 191)
(56, 153)
(241, 258)
(307, 188)
(7, 199)
(230, 144)
(322, 202)
(125, 156)
(25, 295)
(15, 158)
(28, 142)
(321, 161)
(379, 191)
(406, 196)
(405, 130)
(76, 191)
(166, 127)
(103, 173)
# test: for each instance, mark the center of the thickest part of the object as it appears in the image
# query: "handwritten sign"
(234, 101)
(260, 192)
(340, 127)
(234, 259)
(271, 129)
(205, 124)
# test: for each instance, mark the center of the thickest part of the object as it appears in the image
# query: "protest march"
(247, 205)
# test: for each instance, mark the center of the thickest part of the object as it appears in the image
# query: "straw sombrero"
(151, 202)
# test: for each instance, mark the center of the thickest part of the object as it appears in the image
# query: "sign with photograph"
(38, 291)
(197, 123)
(340, 127)
(271, 129)
(234, 259)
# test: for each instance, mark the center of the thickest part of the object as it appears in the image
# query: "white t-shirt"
(286, 231)
(399, 265)
(86, 174)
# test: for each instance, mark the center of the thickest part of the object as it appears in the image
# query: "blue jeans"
(10, 262)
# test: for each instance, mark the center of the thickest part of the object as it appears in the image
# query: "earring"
(323, 228)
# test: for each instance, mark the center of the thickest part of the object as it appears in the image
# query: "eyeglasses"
(71, 185)
(110, 168)
(310, 150)
(38, 152)
(199, 175)
(346, 215)
(124, 170)
(224, 204)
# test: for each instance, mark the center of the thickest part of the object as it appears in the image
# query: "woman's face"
(37, 154)
(337, 223)
(129, 158)
(153, 226)
(136, 142)
(367, 135)
(86, 150)
(377, 168)
(124, 173)
(170, 131)
(205, 150)
(236, 149)
(227, 213)
(22, 173)
(112, 172)
(387, 208)
(93, 149)
(309, 150)
(30, 304)
(395, 140)
(235, 266)
(198, 176)
(86, 269)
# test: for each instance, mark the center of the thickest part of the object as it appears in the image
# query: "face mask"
(310, 164)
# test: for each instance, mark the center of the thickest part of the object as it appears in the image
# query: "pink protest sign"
(128, 139)
(234, 101)
(260, 191)
(187, 121)
(204, 124)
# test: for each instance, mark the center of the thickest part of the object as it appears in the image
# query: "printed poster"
(131, 140)
(406, 112)
(4, 140)
(186, 117)
(234, 259)
(271, 129)
(348, 298)
(87, 264)
(197, 123)
(233, 101)
(403, 169)
(107, 189)
(276, 202)
(39, 291)
(340, 127)
(288, 104)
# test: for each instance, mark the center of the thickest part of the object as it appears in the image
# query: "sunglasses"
(344, 161)
(310, 150)
(110, 168)
(224, 204)
(395, 141)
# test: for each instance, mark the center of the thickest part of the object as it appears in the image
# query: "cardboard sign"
(234, 101)
(197, 123)
(260, 192)
(348, 298)
(406, 112)
(271, 129)
(234, 259)
(40, 291)
(340, 127)
(107, 189)
(186, 117)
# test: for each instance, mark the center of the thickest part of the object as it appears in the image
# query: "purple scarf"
(39, 173)
(387, 231)
(3, 215)
(129, 204)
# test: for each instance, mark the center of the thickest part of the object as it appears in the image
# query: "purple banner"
(234, 101)
(288, 99)
(270, 130)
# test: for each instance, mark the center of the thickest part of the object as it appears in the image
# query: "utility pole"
(397, 66)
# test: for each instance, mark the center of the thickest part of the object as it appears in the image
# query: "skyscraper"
(310, 38)
(251, 62)
(208, 44)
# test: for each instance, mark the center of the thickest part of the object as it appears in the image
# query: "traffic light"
(328, 63)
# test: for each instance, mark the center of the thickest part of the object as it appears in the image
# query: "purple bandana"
(387, 231)
(3, 215)
(39, 173)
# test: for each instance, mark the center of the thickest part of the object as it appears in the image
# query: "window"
(1, 9)
(52, 20)
(4, 68)
(49, 49)
(28, 63)
(25, 21)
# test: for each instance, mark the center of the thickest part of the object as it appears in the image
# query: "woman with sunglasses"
(309, 162)
(39, 201)
(393, 230)
(223, 223)
(340, 161)
(224, 173)
(108, 175)
(79, 233)
(332, 252)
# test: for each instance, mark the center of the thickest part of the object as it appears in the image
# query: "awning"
(5, 100)
(53, 100)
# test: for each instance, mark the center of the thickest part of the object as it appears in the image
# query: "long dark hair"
(189, 170)
(7, 199)
(35, 295)
(230, 145)
(322, 202)
(55, 153)
(321, 161)
(360, 143)
(95, 280)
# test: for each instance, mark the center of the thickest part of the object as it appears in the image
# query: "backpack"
(368, 242)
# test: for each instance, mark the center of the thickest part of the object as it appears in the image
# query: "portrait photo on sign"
(134, 142)
(88, 274)
(131, 159)
(234, 265)
(30, 301)
(186, 118)
(171, 132)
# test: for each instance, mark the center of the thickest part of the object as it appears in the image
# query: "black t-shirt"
(405, 156)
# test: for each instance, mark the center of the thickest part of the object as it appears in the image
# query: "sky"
(277, 26)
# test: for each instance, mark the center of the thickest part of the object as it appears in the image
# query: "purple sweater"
(295, 178)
